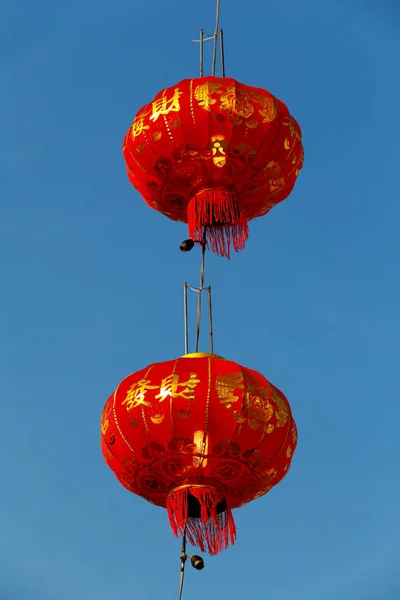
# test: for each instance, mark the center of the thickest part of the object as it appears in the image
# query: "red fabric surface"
(198, 420)
(218, 135)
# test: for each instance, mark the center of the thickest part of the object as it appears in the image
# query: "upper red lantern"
(200, 436)
(214, 153)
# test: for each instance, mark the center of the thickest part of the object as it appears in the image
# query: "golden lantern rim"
(202, 355)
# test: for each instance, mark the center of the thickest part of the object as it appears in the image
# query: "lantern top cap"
(202, 355)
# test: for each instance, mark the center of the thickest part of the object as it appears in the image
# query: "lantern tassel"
(219, 212)
(211, 531)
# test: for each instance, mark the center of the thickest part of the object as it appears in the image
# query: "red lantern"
(199, 436)
(214, 153)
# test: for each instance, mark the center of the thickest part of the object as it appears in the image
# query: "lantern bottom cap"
(215, 216)
(198, 508)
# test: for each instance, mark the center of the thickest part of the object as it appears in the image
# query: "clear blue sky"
(87, 297)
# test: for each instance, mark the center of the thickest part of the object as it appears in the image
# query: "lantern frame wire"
(197, 563)
(183, 558)
(217, 35)
(204, 37)
(198, 316)
(198, 291)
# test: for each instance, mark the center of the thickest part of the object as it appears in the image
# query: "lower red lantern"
(199, 436)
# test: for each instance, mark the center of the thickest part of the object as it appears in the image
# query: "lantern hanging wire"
(217, 35)
(204, 37)
(183, 562)
(199, 291)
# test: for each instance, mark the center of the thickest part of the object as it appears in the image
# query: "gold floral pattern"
(293, 130)
(151, 448)
(253, 457)
(259, 409)
(182, 445)
(153, 451)
(275, 185)
(235, 102)
(150, 483)
(272, 169)
(227, 469)
(282, 414)
(268, 476)
(176, 467)
(227, 449)
(132, 465)
(257, 406)
(200, 111)
(269, 109)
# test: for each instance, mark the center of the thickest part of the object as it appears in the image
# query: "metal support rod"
(191, 287)
(201, 51)
(183, 561)
(185, 311)
(214, 60)
(205, 37)
(210, 323)
(198, 319)
(221, 43)
(198, 290)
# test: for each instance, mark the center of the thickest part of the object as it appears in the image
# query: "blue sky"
(86, 298)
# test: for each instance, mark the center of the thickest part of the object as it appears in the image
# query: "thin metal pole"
(214, 62)
(221, 41)
(198, 291)
(217, 16)
(205, 37)
(185, 317)
(210, 322)
(201, 51)
(183, 561)
(198, 320)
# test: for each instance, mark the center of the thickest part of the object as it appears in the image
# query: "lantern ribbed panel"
(214, 153)
(200, 436)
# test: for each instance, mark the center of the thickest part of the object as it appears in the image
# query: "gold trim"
(114, 411)
(207, 413)
(171, 406)
(202, 355)
(146, 425)
(192, 485)
(207, 482)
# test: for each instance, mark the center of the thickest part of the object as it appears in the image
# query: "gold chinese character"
(170, 385)
(226, 385)
(163, 106)
(105, 423)
(218, 150)
(136, 394)
(204, 92)
(138, 124)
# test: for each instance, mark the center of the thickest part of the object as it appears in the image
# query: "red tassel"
(211, 531)
(220, 212)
